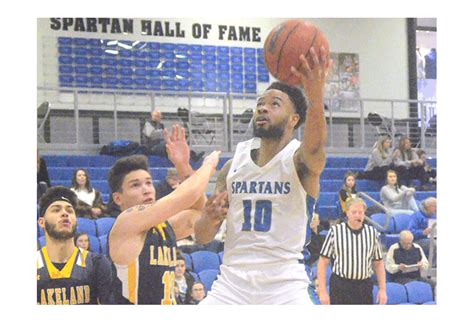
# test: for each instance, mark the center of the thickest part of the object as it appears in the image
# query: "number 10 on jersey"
(262, 215)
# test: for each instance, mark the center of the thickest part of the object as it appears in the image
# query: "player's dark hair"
(123, 167)
(297, 98)
(57, 193)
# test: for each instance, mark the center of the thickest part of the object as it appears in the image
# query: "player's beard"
(59, 235)
(273, 131)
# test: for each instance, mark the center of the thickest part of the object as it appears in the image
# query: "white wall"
(380, 43)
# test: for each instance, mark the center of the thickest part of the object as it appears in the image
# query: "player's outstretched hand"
(212, 159)
(314, 78)
(176, 146)
(216, 207)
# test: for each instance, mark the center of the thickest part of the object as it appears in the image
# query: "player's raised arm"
(312, 153)
(207, 226)
(141, 218)
(178, 152)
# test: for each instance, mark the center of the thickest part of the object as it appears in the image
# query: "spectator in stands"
(81, 240)
(348, 190)
(168, 185)
(67, 274)
(380, 160)
(198, 293)
(430, 179)
(405, 260)
(421, 224)
(90, 204)
(42, 176)
(407, 164)
(153, 135)
(183, 279)
(398, 199)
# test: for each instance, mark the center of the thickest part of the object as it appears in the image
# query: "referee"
(354, 247)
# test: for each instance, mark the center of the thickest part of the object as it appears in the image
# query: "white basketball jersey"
(269, 210)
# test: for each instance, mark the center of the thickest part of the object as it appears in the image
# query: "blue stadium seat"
(203, 260)
(42, 241)
(207, 277)
(184, 74)
(237, 87)
(261, 62)
(249, 51)
(95, 52)
(104, 244)
(168, 85)
(155, 83)
(195, 48)
(169, 65)
(64, 41)
(223, 86)
(223, 67)
(94, 244)
(81, 70)
(65, 69)
(182, 48)
(380, 218)
(250, 87)
(125, 71)
(104, 225)
(110, 61)
(167, 55)
(210, 58)
(396, 293)
(94, 42)
(80, 41)
(139, 63)
(154, 73)
(250, 60)
(81, 51)
(87, 226)
(188, 260)
(223, 50)
(210, 85)
(237, 77)
(263, 78)
(210, 75)
(195, 276)
(196, 85)
(402, 221)
(40, 230)
(125, 53)
(125, 62)
(251, 69)
(209, 49)
(140, 54)
(65, 50)
(210, 66)
(81, 60)
(182, 85)
(237, 68)
(63, 59)
(153, 45)
(182, 65)
(167, 46)
(111, 81)
(419, 292)
(236, 60)
(168, 74)
(223, 59)
(262, 69)
(250, 77)
(236, 50)
(96, 70)
(82, 80)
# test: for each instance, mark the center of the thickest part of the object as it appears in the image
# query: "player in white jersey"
(272, 184)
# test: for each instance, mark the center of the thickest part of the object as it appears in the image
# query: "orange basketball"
(286, 42)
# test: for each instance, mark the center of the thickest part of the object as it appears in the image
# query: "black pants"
(377, 173)
(350, 291)
(407, 174)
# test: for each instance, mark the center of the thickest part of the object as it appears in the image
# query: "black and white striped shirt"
(352, 250)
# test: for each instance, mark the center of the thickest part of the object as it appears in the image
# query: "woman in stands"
(348, 190)
(407, 164)
(91, 204)
(81, 240)
(184, 281)
(398, 199)
(380, 160)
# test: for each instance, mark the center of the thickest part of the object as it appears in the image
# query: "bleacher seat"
(42, 241)
(203, 260)
(103, 244)
(430, 303)
(381, 219)
(419, 292)
(87, 226)
(396, 293)
(189, 261)
(94, 244)
(207, 277)
(402, 221)
(104, 225)
(195, 276)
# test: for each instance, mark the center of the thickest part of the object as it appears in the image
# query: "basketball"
(286, 42)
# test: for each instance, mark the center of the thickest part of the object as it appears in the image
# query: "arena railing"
(82, 120)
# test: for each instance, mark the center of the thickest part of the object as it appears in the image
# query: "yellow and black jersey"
(150, 278)
(86, 278)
